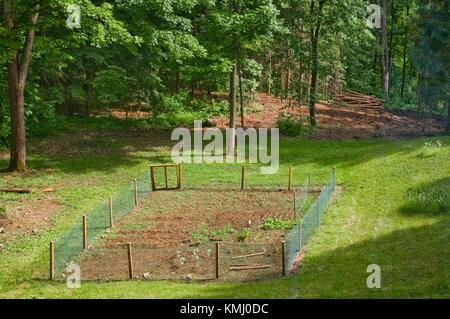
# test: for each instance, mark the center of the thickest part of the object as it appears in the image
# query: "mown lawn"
(394, 212)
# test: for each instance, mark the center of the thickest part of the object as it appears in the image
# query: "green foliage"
(3, 212)
(292, 125)
(204, 234)
(431, 199)
(279, 224)
(243, 234)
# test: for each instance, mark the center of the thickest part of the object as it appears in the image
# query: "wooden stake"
(111, 222)
(151, 181)
(179, 176)
(84, 232)
(290, 176)
(283, 263)
(52, 260)
(217, 260)
(249, 267)
(242, 178)
(135, 193)
(130, 261)
(165, 176)
(152, 173)
(250, 255)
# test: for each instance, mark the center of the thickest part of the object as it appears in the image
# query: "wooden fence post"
(111, 221)
(52, 260)
(290, 176)
(135, 193)
(217, 260)
(179, 176)
(130, 261)
(165, 176)
(242, 177)
(84, 232)
(152, 175)
(283, 262)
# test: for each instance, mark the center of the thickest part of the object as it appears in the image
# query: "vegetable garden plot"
(203, 233)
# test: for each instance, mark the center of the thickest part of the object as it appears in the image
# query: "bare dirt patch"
(173, 236)
(29, 217)
(167, 218)
(341, 123)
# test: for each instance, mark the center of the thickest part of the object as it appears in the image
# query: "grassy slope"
(371, 223)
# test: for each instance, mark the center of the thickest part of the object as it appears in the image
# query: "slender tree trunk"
(420, 90)
(269, 78)
(312, 95)
(315, 32)
(391, 38)
(17, 67)
(448, 117)
(288, 78)
(232, 124)
(405, 48)
(177, 81)
(385, 54)
(241, 95)
(89, 95)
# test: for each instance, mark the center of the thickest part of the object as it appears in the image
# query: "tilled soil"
(164, 235)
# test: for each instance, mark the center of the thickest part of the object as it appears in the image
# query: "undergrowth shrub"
(293, 125)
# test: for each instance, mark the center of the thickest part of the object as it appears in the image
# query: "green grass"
(394, 212)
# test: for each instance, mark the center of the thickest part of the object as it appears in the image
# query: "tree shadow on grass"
(100, 150)
(414, 264)
(104, 149)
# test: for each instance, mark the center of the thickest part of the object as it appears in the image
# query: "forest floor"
(393, 213)
(335, 123)
(339, 123)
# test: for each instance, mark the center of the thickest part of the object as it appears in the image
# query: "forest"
(76, 58)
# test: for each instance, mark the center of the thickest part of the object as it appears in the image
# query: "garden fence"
(70, 243)
(299, 235)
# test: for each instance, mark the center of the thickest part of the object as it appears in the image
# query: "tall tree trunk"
(241, 94)
(89, 95)
(232, 124)
(288, 78)
(17, 74)
(385, 52)
(420, 91)
(405, 49)
(315, 32)
(448, 117)
(312, 95)
(269, 78)
(391, 35)
(177, 81)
